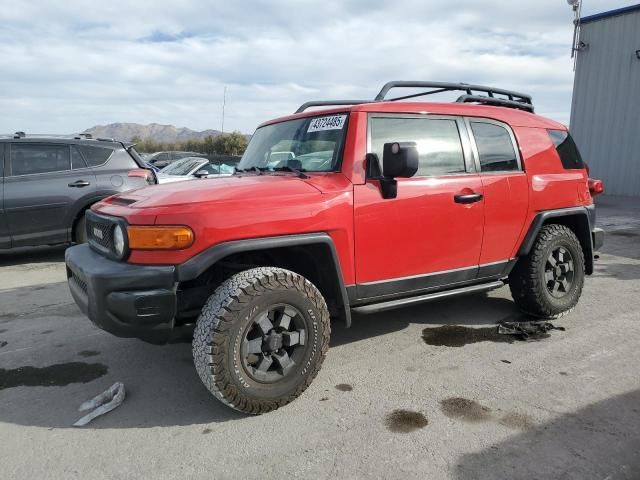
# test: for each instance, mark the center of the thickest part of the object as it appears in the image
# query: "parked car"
(364, 206)
(47, 183)
(190, 168)
(162, 159)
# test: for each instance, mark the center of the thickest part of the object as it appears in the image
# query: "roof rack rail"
(102, 139)
(330, 103)
(19, 135)
(507, 98)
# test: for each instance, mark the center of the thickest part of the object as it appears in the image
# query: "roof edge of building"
(610, 13)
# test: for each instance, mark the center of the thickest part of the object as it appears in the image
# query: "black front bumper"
(126, 300)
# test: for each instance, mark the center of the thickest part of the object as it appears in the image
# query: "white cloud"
(70, 65)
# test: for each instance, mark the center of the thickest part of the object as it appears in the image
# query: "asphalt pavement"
(428, 392)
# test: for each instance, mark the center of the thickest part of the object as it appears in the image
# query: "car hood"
(219, 189)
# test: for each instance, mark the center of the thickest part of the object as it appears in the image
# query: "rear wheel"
(548, 282)
(261, 339)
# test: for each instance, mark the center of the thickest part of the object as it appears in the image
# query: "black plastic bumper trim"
(133, 301)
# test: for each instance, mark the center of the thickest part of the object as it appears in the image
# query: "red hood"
(236, 187)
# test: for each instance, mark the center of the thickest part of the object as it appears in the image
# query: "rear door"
(5, 239)
(41, 190)
(506, 191)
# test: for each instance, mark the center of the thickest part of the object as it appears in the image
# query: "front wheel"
(261, 339)
(548, 282)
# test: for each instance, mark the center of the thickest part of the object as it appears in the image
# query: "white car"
(189, 168)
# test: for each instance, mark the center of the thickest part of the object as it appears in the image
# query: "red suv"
(364, 206)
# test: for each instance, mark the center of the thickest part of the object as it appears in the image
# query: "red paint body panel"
(421, 231)
(506, 200)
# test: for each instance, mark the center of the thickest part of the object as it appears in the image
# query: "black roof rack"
(19, 135)
(330, 103)
(507, 98)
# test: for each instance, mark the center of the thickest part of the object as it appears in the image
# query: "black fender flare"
(584, 225)
(198, 264)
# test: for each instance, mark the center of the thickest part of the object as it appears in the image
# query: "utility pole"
(224, 101)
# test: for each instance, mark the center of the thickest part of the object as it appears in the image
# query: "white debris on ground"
(101, 404)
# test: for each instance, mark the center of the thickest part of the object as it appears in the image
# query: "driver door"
(427, 237)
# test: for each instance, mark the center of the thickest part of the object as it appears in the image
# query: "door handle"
(79, 184)
(467, 198)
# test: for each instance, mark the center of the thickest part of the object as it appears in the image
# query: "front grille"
(100, 232)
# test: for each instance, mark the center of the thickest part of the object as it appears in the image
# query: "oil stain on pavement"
(88, 353)
(458, 336)
(3, 343)
(517, 421)
(465, 409)
(344, 387)
(405, 421)
(57, 375)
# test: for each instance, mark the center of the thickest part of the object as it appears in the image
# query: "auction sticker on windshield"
(334, 122)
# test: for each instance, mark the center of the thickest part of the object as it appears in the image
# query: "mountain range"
(159, 133)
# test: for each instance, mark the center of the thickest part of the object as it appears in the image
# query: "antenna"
(224, 102)
(576, 45)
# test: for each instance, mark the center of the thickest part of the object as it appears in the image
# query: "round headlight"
(118, 240)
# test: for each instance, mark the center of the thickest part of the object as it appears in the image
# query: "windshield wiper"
(287, 168)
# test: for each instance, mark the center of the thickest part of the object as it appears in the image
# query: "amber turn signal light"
(159, 238)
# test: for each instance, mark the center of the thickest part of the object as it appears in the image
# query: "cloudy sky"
(70, 64)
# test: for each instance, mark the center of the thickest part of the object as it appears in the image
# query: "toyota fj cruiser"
(363, 206)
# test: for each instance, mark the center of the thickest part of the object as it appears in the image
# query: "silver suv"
(47, 183)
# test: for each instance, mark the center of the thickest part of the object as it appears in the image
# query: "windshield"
(312, 144)
(182, 166)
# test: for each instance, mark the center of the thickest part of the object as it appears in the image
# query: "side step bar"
(404, 302)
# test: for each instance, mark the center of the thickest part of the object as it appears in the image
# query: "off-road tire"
(80, 230)
(222, 325)
(527, 279)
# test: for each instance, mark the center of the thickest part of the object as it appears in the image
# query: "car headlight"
(118, 240)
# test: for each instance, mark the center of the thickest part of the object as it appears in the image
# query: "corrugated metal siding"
(605, 109)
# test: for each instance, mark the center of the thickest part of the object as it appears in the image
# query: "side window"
(567, 149)
(76, 159)
(95, 156)
(495, 147)
(438, 142)
(211, 168)
(39, 158)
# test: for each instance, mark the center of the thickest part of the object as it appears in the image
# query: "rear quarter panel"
(551, 186)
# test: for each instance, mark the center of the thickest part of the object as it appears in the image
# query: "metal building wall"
(605, 109)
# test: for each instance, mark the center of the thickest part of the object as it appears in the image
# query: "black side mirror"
(399, 160)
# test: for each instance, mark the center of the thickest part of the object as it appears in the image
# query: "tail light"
(148, 175)
(596, 187)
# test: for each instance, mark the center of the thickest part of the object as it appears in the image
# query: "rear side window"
(438, 142)
(567, 149)
(495, 147)
(76, 159)
(95, 156)
(28, 159)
